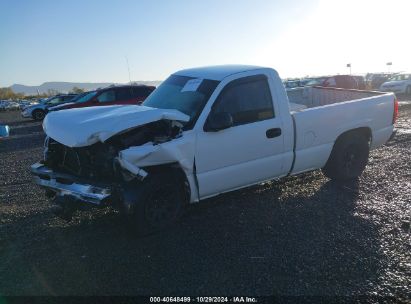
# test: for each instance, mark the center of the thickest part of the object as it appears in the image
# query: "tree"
(77, 90)
(7, 93)
(52, 92)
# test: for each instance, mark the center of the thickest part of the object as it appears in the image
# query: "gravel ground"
(303, 235)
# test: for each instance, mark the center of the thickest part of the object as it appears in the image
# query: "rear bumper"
(71, 187)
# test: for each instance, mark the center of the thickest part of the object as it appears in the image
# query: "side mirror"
(4, 131)
(218, 121)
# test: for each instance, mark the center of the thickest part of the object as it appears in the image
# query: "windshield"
(86, 97)
(401, 77)
(54, 100)
(76, 98)
(44, 100)
(186, 94)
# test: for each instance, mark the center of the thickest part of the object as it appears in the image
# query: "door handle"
(271, 133)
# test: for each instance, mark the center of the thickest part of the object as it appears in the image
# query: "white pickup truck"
(202, 132)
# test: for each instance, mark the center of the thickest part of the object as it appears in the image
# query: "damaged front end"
(96, 175)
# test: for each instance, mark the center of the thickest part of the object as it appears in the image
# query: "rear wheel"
(154, 204)
(348, 157)
(39, 114)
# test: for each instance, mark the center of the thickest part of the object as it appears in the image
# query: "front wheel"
(154, 204)
(39, 114)
(348, 158)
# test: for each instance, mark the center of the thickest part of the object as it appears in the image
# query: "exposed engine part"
(100, 161)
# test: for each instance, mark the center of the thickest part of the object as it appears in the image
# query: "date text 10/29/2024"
(203, 300)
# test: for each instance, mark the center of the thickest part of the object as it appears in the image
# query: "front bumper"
(25, 115)
(70, 187)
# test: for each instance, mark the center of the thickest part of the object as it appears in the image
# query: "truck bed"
(319, 96)
(329, 112)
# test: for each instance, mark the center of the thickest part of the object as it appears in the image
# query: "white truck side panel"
(318, 128)
(225, 163)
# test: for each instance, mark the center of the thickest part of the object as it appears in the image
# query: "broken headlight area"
(101, 161)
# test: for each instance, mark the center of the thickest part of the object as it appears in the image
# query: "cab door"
(125, 96)
(248, 151)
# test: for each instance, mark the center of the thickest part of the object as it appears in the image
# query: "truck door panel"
(248, 152)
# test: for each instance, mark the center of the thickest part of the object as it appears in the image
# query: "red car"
(114, 95)
(341, 81)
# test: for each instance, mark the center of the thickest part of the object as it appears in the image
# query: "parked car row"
(337, 81)
(113, 95)
(10, 105)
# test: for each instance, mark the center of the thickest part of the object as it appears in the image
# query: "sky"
(91, 41)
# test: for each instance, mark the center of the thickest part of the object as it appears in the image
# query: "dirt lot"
(302, 235)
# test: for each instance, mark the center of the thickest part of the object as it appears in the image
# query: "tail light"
(395, 114)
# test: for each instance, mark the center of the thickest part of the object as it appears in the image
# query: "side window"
(247, 100)
(56, 100)
(141, 91)
(107, 96)
(124, 94)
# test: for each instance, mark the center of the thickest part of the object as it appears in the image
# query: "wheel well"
(177, 171)
(37, 111)
(363, 131)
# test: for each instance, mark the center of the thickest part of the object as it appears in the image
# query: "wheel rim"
(162, 207)
(39, 115)
(351, 159)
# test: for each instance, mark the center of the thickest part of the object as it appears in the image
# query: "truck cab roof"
(218, 72)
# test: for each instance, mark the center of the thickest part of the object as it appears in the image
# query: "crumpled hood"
(85, 126)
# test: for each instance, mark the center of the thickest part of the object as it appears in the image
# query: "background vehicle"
(341, 81)
(316, 81)
(292, 83)
(375, 80)
(399, 84)
(4, 131)
(6, 105)
(360, 82)
(203, 132)
(39, 111)
(114, 95)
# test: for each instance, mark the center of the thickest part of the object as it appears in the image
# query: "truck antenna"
(128, 68)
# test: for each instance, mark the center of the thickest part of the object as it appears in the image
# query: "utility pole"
(128, 68)
(389, 64)
(349, 66)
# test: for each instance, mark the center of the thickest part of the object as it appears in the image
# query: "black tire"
(38, 114)
(154, 204)
(348, 158)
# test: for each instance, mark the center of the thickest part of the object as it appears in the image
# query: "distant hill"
(65, 87)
